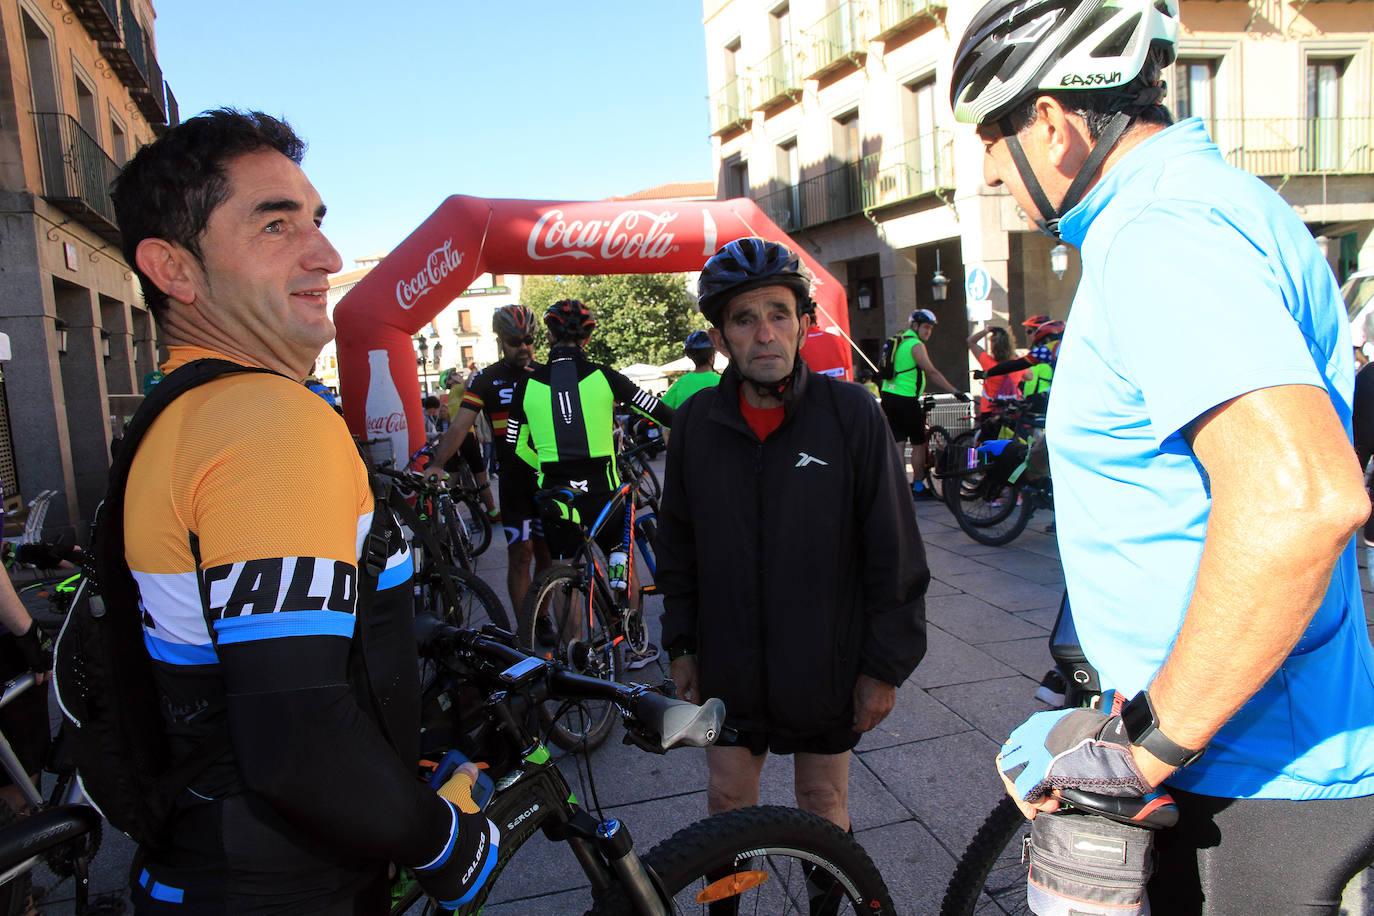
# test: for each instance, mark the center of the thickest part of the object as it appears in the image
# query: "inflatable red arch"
(470, 236)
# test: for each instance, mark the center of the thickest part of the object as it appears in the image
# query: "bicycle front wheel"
(472, 521)
(991, 868)
(768, 860)
(994, 520)
(565, 620)
(477, 602)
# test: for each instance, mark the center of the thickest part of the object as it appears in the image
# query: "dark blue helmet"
(698, 340)
(746, 264)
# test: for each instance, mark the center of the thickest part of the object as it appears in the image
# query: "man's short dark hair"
(170, 188)
(1097, 107)
(702, 358)
(431, 403)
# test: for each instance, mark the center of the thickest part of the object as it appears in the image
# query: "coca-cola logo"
(632, 234)
(386, 425)
(441, 262)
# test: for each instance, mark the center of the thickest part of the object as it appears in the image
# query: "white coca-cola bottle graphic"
(386, 414)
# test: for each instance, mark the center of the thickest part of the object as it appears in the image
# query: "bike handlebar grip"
(1155, 811)
(679, 723)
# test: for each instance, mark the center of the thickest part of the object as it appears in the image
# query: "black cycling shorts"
(515, 489)
(905, 417)
(470, 453)
(25, 720)
(1239, 857)
(759, 742)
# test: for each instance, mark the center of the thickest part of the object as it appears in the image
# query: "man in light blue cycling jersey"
(1211, 567)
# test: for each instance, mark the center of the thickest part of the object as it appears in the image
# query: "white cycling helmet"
(1015, 49)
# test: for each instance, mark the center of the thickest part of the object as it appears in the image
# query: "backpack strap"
(112, 569)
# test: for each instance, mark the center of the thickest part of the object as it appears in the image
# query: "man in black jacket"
(792, 571)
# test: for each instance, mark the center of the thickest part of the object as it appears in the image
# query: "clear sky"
(407, 101)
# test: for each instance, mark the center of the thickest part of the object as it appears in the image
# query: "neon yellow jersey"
(908, 381)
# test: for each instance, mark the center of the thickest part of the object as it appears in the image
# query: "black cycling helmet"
(1013, 50)
(569, 319)
(513, 321)
(746, 264)
(698, 340)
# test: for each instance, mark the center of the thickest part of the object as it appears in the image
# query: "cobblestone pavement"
(920, 783)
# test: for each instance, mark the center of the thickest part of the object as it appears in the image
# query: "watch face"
(1138, 717)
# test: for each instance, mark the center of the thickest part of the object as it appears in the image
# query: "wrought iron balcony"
(922, 165)
(173, 111)
(831, 195)
(100, 17)
(77, 173)
(152, 100)
(1279, 147)
(895, 16)
(835, 40)
(128, 54)
(730, 108)
(778, 80)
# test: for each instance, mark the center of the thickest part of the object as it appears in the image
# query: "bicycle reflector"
(731, 886)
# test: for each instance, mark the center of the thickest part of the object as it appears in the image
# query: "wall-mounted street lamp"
(865, 297)
(939, 284)
(421, 350)
(61, 327)
(105, 343)
(1059, 260)
(438, 355)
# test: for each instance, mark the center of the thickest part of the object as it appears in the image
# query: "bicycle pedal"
(648, 590)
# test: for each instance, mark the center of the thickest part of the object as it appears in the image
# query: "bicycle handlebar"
(660, 722)
(1154, 811)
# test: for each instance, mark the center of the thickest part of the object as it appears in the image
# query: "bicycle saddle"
(38, 833)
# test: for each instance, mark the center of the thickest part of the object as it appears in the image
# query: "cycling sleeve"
(277, 551)
(895, 575)
(1020, 364)
(637, 399)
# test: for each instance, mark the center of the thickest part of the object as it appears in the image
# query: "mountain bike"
(445, 583)
(987, 487)
(936, 447)
(574, 616)
(61, 831)
(464, 506)
(633, 456)
(760, 859)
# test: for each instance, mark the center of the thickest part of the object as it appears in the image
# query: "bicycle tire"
(1011, 524)
(937, 442)
(586, 650)
(991, 866)
(476, 600)
(785, 842)
(648, 479)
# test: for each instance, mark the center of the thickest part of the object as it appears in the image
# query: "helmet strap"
(1049, 214)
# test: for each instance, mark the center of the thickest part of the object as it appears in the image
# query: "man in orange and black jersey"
(491, 391)
(253, 511)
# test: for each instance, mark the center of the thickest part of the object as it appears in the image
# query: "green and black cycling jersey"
(567, 406)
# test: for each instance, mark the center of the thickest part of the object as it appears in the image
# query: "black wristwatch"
(1142, 728)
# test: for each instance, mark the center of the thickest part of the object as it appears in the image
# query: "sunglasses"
(519, 341)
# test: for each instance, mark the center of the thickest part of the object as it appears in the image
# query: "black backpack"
(887, 362)
(102, 672)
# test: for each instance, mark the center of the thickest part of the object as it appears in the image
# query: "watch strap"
(1152, 739)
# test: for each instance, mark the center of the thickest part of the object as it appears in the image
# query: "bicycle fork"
(606, 853)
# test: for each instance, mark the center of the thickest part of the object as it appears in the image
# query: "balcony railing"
(730, 107)
(778, 80)
(100, 17)
(834, 40)
(153, 100)
(1273, 147)
(77, 173)
(173, 112)
(128, 54)
(828, 196)
(896, 15)
(922, 165)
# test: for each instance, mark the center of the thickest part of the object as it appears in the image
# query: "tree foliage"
(640, 318)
